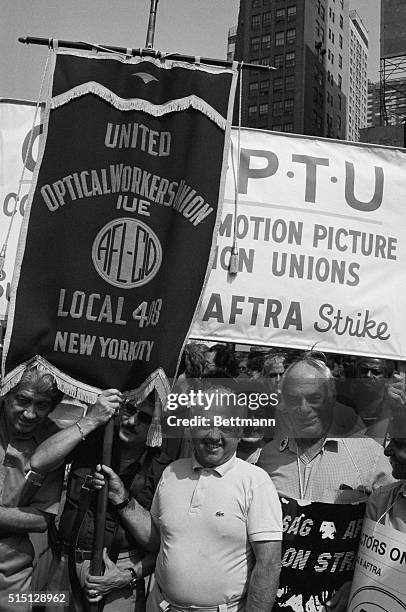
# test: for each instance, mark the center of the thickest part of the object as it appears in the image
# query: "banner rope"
(3, 250)
(233, 265)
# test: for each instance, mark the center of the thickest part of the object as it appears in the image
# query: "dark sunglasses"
(128, 410)
(374, 371)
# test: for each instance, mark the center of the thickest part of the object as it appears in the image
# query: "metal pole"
(96, 563)
(149, 44)
(69, 44)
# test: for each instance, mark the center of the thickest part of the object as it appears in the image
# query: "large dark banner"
(320, 543)
(118, 239)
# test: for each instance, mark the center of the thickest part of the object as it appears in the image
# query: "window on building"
(278, 84)
(256, 3)
(288, 127)
(332, 58)
(329, 33)
(341, 22)
(290, 82)
(264, 86)
(338, 123)
(266, 18)
(255, 22)
(340, 81)
(255, 43)
(315, 95)
(290, 59)
(288, 105)
(332, 37)
(321, 101)
(277, 127)
(340, 61)
(291, 35)
(322, 12)
(266, 41)
(278, 61)
(279, 39)
(263, 109)
(265, 61)
(333, 17)
(253, 88)
(252, 112)
(291, 12)
(277, 107)
(280, 14)
(340, 41)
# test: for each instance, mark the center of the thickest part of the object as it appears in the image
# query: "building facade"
(231, 40)
(387, 103)
(307, 42)
(357, 89)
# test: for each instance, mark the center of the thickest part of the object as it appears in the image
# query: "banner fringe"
(122, 104)
(157, 381)
(66, 384)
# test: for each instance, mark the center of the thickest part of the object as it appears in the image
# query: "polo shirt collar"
(221, 470)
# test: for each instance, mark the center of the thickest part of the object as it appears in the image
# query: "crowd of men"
(219, 519)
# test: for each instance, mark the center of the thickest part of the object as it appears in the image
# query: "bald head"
(308, 393)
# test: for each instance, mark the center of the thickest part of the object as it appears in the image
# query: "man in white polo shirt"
(215, 519)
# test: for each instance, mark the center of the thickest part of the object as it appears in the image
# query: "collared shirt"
(344, 470)
(207, 517)
(15, 455)
(387, 505)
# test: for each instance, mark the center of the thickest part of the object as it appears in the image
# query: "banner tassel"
(154, 435)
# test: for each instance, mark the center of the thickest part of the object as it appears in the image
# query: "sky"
(193, 27)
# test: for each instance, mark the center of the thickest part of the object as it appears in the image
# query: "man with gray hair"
(323, 468)
(24, 424)
(29, 502)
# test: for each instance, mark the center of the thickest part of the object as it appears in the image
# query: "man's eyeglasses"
(129, 410)
(364, 370)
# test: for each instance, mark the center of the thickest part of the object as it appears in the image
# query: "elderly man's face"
(25, 409)
(216, 444)
(306, 402)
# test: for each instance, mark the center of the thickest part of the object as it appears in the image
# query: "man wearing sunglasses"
(374, 390)
(215, 520)
(140, 467)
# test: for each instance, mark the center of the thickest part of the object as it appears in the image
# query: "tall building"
(232, 37)
(357, 98)
(307, 41)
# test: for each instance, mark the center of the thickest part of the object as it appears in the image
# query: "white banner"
(321, 230)
(16, 121)
(379, 583)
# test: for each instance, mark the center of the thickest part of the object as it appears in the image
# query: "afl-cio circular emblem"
(375, 599)
(127, 253)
